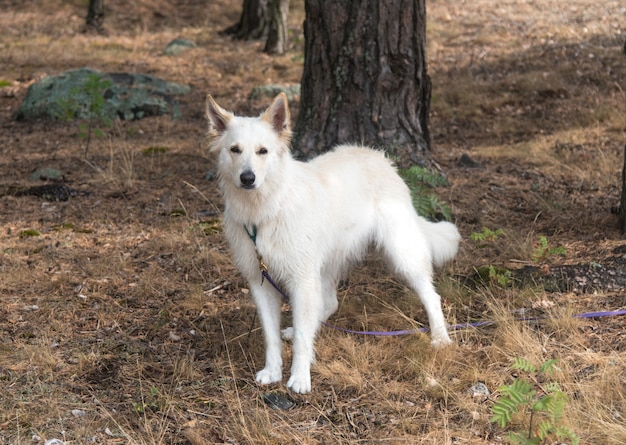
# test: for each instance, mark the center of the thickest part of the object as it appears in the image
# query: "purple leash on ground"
(455, 327)
(475, 324)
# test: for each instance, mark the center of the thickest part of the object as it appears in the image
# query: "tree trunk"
(95, 16)
(277, 32)
(365, 78)
(253, 23)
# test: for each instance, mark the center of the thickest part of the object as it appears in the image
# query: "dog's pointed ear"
(278, 116)
(218, 117)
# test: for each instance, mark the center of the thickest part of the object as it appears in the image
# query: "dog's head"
(248, 147)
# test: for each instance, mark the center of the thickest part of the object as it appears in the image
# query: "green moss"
(64, 226)
(178, 212)
(156, 150)
(210, 227)
(28, 233)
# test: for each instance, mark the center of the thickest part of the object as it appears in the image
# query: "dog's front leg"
(268, 305)
(306, 306)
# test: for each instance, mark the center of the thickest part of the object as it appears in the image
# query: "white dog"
(308, 222)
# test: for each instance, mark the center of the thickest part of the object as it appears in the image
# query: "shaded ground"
(122, 319)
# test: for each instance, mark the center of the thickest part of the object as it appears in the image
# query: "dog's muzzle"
(247, 179)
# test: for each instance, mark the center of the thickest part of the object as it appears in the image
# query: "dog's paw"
(300, 384)
(287, 334)
(267, 376)
(441, 341)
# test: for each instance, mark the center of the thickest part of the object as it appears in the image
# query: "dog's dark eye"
(235, 149)
(262, 151)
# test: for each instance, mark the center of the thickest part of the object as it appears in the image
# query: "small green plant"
(494, 275)
(93, 90)
(421, 182)
(499, 275)
(543, 251)
(151, 402)
(543, 401)
(490, 274)
(4, 83)
(486, 235)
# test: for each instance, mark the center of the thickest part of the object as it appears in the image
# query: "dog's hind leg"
(330, 304)
(330, 280)
(432, 303)
(329, 295)
(268, 304)
(407, 249)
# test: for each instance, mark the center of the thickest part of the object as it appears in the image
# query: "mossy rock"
(127, 96)
(272, 90)
(177, 46)
(47, 173)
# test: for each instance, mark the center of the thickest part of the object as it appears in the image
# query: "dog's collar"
(252, 234)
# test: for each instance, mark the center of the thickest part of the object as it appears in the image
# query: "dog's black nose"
(247, 179)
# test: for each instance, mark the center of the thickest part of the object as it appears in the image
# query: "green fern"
(543, 251)
(423, 176)
(421, 181)
(544, 402)
(486, 235)
(522, 364)
(521, 439)
(520, 392)
(548, 366)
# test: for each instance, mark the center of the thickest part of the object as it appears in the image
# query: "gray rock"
(126, 96)
(78, 413)
(467, 161)
(272, 90)
(277, 401)
(479, 389)
(47, 173)
(177, 46)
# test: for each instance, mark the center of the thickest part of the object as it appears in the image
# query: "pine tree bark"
(253, 23)
(365, 78)
(277, 33)
(95, 16)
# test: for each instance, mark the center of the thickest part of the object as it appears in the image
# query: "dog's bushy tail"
(443, 238)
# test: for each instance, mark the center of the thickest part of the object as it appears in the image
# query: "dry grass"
(125, 321)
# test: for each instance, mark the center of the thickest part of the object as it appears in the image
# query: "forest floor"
(124, 321)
